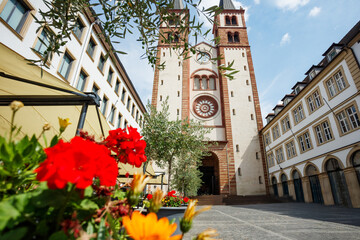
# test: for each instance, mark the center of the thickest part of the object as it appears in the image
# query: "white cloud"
(290, 4)
(285, 39)
(257, 1)
(314, 11)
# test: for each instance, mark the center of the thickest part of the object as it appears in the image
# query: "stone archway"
(211, 176)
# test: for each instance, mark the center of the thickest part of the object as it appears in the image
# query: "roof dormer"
(269, 117)
(278, 108)
(298, 87)
(313, 71)
(332, 51)
(287, 99)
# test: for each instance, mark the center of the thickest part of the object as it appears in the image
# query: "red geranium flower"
(128, 146)
(149, 196)
(171, 193)
(79, 162)
(186, 199)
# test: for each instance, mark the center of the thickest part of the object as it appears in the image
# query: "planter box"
(172, 213)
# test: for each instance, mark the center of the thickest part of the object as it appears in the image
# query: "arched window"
(212, 83)
(332, 165)
(233, 20)
(230, 37)
(227, 20)
(196, 83)
(236, 37)
(355, 161)
(176, 37)
(274, 185)
(284, 185)
(311, 171)
(204, 83)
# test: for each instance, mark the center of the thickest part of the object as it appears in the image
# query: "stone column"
(280, 190)
(291, 189)
(307, 189)
(353, 186)
(326, 189)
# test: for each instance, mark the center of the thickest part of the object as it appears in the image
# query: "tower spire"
(227, 5)
(178, 4)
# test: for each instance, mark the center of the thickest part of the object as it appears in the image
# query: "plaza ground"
(280, 221)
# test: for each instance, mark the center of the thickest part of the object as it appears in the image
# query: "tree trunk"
(169, 179)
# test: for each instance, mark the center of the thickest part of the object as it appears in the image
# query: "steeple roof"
(227, 5)
(178, 4)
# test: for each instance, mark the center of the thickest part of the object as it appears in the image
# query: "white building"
(196, 90)
(82, 63)
(312, 140)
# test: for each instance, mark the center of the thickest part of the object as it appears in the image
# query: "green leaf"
(54, 141)
(7, 213)
(87, 204)
(15, 234)
(102, 230)
(88, 191)
(60, 235)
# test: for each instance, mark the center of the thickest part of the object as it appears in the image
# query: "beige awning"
(32, 118)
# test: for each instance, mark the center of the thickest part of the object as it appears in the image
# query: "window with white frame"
(323, 132)
(285, 124)
(298, 114)
(119, 121)
(336, 84)
(42, 42)
(305, 142)
(78, 29)
(314, 101)
(270, 159)
(348, 119)
(267, 138)
(81, 81)
(279, 155)
(290, 149)
(275, 132)
(112, 114)
(103, 105)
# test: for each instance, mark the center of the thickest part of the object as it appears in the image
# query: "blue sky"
(286, 37)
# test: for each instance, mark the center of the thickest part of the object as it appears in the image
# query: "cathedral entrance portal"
(210, 178)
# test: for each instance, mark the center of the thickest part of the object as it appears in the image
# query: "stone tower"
(231, 108)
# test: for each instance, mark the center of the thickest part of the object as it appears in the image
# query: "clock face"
(203, 57)
(205, 106)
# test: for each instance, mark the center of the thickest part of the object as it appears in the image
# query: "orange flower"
(141, 227)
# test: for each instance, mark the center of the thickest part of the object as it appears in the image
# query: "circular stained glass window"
(205, 106)
(203, 57)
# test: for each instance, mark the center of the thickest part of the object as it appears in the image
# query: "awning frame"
(85, 99)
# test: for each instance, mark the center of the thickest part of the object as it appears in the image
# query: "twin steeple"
(224, 4)
(227, 5)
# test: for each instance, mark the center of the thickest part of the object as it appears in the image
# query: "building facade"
(196, 90)
(82, 64)
(312, 139)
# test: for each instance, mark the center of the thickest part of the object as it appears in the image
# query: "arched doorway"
(355, 161)
(315, 187)
(298, 187)
(274, 185)
(284, 183)
(338, 184)
(210, 178)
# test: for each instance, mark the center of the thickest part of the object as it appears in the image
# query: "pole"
(82, 118)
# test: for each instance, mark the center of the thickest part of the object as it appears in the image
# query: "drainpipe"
(73, 82)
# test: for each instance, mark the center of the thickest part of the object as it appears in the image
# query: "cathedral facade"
(197, 90)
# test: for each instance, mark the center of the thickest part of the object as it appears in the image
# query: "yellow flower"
(63, 122)
(139, 182)
(141, 227)
(208, 234)
(190, 213)
(16, 105)
(156, 201)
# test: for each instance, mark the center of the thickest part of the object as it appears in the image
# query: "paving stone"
(280, 221)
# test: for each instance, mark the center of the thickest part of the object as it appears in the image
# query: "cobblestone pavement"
(280, 221)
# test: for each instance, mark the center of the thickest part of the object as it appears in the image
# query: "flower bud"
(16, 105)
(155, 202)
(190, 213)
(137, 186)
(208, 234)
(46, 126)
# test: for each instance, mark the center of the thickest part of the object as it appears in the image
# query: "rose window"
(205, 106)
